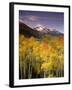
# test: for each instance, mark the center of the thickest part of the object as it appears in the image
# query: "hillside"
(27, 31)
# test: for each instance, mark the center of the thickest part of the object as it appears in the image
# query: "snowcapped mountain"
(42, 29)
(38, 28)
(38, 31)
(45, 30)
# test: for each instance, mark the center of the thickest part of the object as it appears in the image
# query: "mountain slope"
(37, 32)
(44, 31)
(27, 31)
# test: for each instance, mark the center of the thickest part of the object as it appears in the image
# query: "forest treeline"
(41, 58)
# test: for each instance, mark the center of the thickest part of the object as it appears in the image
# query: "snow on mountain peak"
(39, 27)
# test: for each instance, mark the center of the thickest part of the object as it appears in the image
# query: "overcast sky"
(53, 20)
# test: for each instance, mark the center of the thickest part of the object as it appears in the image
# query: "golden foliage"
(43, 55)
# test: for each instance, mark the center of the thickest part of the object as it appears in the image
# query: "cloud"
(23, 21)
(29, 18)
(33, 18)
(39, 25)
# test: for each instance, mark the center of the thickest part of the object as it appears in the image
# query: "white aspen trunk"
(57, 73)
(44, 74)
(29, 74)
(20, 70)
(21, 67)
(24, 69)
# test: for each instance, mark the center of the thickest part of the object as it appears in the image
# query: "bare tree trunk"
(29, 73)
(44, 74)
(20, 62)
(24, 69)
(56, 73)
(21, 68)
